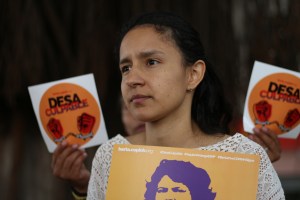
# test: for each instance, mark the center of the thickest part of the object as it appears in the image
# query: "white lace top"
(269, 186)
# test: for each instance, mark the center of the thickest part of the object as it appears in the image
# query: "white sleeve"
(101, 168)
(96, 183)
(269, 186)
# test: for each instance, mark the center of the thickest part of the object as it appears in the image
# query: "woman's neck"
(176, 136)
(175, 130)
(178, 132)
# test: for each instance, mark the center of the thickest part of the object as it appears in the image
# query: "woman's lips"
(139, 98)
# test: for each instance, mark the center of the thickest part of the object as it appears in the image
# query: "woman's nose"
(134, 78)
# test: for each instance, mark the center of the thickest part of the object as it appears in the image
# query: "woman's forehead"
(146, 38)
(164, 34)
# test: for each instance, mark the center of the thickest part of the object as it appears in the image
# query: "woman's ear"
(195, 74)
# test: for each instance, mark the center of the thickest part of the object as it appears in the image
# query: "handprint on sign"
(85, 124)
(55, 127)
(263, 111)
(291, 118)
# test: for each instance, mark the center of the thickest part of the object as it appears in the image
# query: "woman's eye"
(125, 69)
(177, 189)
(152, 62)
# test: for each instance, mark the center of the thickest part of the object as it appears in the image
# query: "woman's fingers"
(269, 141)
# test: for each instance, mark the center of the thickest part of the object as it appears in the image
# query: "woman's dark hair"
(210, 110)
(194, 178)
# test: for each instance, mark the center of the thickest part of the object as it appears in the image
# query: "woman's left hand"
(268, 140)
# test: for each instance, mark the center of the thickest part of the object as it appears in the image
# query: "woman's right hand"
(68, 164)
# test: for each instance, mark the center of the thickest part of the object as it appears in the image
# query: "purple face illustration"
(174, 179)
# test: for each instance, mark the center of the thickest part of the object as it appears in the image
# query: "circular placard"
(69, 112)
(275, 102)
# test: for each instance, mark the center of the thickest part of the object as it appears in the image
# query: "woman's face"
(154, 81)
(169, 190)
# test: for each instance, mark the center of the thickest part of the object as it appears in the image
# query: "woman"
(168, 83)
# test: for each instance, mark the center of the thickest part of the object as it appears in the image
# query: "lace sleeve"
(100, 169)
(95, 189)
(269, 186)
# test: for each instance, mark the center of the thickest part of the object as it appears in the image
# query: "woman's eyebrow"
(124, 60)
(143, 54)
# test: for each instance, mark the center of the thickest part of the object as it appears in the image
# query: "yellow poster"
(273, 100)
(152, 173)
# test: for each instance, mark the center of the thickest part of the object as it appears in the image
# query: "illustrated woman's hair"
(196, 179)
(210, 110)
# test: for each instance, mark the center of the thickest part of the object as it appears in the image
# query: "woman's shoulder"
(118, 139)
(108, 146)
(237, 143)
(246, 145)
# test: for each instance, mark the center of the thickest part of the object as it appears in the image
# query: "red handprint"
(85, 123)
(291, 118)
(54, 126)
(262, 111)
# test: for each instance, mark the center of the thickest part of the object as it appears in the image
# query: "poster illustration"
(153, 173)
(69, 110)
(273, 100)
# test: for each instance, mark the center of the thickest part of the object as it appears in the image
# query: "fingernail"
(75, 146)
(265, 128)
